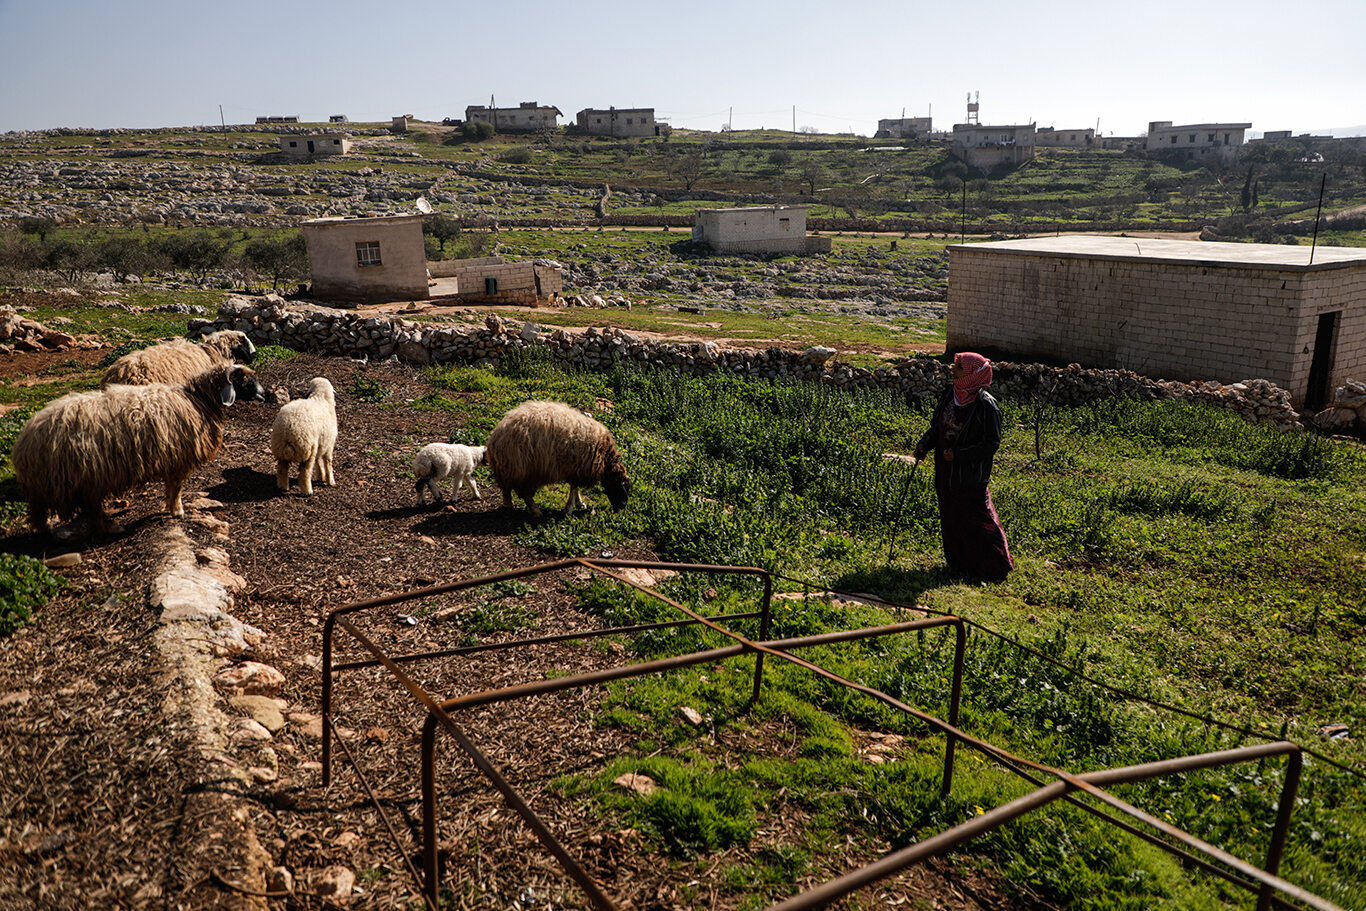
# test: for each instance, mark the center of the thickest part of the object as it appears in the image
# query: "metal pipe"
(955, 698)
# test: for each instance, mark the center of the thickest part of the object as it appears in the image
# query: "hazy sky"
(1067, 63)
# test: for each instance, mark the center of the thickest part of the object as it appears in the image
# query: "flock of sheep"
(160, 412)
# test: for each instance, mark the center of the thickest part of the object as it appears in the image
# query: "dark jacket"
(976, 445)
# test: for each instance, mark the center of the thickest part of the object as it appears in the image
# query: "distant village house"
(382, 258)
(1048, 137)
(620, 123)
(984, 146)
(1180, 310)
(525, 118)
(338, 118)
(1196, 141)
(757, 229)
(278, 118)
(903, 128)
(312, 145)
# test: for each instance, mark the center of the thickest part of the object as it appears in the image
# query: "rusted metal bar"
(432, 590)
(430, 901)
(560, 684)
(827, 892)
(764, 625)
(955, 697)
(540, 640)
(1289, 788)
(514, 800)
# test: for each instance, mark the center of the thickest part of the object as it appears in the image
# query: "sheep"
(436, 461)
(540, 443)
(90, 445)
(305, 431)
(179, 360)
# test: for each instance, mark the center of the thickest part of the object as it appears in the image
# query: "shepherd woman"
(965, 432)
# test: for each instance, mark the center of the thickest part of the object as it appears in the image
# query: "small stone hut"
(382, 258)
(1172, 309)
(757, 229)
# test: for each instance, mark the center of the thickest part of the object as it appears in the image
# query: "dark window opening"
(367, 253)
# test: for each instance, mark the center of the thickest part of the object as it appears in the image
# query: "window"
(1173, 140)
(1192, 139)
(629, 120)
(336, 142)
(1211, 137)
(293, 145)
(367, 253)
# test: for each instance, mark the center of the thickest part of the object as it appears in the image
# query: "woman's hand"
(918, 454)
(948, 455)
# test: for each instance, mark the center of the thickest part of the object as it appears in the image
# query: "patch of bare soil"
(98, 793)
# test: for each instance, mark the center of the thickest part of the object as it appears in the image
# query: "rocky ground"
(110, 798)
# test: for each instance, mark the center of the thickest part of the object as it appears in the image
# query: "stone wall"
(270, 320)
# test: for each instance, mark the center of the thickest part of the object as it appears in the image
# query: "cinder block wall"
(1159, 318)
(518, 283)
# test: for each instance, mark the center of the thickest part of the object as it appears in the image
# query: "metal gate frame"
(1268, 886)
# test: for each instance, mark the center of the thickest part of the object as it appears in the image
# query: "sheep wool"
(180, 360)
(305, 433)
(540, 443)
(87, 446)
(437, 461)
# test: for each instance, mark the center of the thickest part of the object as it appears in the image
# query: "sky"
(832, 66)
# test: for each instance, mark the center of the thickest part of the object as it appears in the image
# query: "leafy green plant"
(25, 585)
(367, 388)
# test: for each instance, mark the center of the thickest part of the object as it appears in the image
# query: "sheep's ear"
(227, 395)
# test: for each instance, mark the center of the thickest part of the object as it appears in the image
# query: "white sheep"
(437, 461)
(540, 443)
(305, 432)
(90, 445)
(180, 360)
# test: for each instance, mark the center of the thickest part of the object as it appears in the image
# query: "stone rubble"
(311, 327)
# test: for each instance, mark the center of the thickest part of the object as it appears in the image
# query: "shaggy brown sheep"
(179, 360)
(540, 443)
(90, 445)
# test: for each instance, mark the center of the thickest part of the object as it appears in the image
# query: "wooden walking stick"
(896, 519)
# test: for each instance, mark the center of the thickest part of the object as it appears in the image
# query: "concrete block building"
(527, 117)
(1182, 310)
(620, 123)
(312, 145)
(493, 280)
(367, 259)
(1047, 137)
(903, 128)
(382, 258)
(984, 146)
(1196, 141)
(757, 229)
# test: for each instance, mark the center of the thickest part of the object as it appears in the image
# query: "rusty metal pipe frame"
(329, 625)
(540, 640)
(560, 684)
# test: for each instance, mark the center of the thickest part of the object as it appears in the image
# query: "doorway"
(1321, 367)
(310, 147)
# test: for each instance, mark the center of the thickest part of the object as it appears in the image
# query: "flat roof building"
(620, 122)
(311, 145)
(1181, 310)
(525, 118)
(984, 146)
(757, 229)
(1196, 141)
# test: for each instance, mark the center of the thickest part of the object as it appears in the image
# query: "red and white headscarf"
(976, 377)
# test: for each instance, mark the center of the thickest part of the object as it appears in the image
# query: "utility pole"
(221, 120)
(730, 118)
(794, 120)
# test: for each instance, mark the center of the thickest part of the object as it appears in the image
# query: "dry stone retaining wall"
(309, 327)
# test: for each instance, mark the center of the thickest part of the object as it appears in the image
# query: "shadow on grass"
(899, 585)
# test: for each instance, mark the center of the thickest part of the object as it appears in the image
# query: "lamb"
(90, 445)
(180, 360)
(436, 461)
(305, 431)
(540, 443)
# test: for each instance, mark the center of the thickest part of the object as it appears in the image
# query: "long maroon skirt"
(974, 541)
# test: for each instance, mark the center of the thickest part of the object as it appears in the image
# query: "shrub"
(25, 584)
